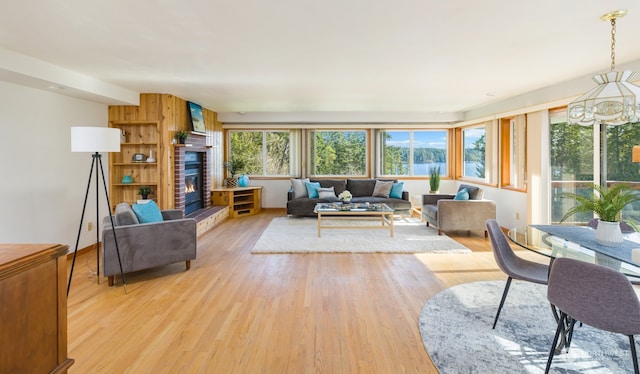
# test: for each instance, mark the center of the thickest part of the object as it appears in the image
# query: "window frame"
(310, 160)
(445, 173)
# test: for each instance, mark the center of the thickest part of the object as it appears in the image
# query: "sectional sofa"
(300, 204)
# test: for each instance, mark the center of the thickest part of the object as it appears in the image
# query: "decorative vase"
(127, 179)
(231, 182)
(150, 158)
(243, 181)
(609, 234)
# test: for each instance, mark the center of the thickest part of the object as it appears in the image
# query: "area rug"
(456, 331)
(300, 235)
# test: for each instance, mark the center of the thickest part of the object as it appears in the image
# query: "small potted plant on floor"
(234, 166)
(181, 136)
(144, 191)
(434, 179)
(607, 203)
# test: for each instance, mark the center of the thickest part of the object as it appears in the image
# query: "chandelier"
(615, 100)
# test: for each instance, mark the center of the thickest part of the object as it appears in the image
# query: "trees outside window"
(573, 150)
(264, 152)
(412, 152)
(338, 152)
(473, 144)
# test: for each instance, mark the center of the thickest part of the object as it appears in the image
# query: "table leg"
(319, 222)
(391, 224)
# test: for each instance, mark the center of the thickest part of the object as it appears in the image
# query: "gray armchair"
(446, 214)
(147, 245)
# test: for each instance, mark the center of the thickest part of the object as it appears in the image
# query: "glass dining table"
(578, 242)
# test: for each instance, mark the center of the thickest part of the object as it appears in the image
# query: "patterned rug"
(456, 331)
(300, 235)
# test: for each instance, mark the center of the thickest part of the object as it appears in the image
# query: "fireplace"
(193, 177)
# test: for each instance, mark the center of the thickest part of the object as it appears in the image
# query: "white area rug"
(300, 235)
(456, 331)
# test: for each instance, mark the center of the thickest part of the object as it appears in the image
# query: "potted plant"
(607, 203)
(181, 136)
(234, 166)
(144, 191)
(434, 179)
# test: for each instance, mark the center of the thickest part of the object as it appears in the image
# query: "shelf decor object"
(95, 140)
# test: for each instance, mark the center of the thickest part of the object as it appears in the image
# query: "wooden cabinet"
(33, 316)
(241, 200)
(130, 168)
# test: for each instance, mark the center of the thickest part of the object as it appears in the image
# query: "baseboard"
(81, 251)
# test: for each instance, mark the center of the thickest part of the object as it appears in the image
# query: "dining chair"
(512, 265)
(594, 295)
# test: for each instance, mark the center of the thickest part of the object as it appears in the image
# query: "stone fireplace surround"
(195, 143)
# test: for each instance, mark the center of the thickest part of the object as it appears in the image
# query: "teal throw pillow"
(463, 194)
(312, 189)
(147, 212)
(396, 190)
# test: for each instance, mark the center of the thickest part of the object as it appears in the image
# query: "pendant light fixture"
(615, 100)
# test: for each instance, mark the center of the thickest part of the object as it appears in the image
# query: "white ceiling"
(314, 56)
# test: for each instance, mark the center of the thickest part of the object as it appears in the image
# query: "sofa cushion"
(326, 193)
(124, 215)
(462, 194)
(382, 189)
(338, 185)
(299, 188)
(396, 190)
(475, 193)
(361, 187)
(148, 212)
(312, 189)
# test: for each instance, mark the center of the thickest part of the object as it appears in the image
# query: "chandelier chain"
(613, 44)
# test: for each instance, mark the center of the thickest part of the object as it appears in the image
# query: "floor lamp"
(95, 140)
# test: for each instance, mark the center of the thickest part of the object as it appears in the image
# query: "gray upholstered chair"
(447, 214)
(147, 245)
(512, 265)
(594, 295)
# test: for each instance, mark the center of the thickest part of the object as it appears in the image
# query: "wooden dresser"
(33, 308)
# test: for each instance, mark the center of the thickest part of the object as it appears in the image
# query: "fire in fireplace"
(193, 182)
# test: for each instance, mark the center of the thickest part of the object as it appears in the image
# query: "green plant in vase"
(144, 191)
(434, 179)
(234, 166)
(607, 203)
(181, 136)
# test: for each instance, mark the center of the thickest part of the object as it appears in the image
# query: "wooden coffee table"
(380, 213)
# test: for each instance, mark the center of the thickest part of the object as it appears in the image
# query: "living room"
(45, 182)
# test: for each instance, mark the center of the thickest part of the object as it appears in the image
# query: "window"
(338, 152)
(513, 137)
(412, 152)
(264, 152)
(572, 167)
(473, 145)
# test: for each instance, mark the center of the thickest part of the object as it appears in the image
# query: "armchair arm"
(172, 214)
(432, 199)
(465, 214)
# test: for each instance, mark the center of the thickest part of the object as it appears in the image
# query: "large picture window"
(338, 152)
(412, 152)
(265, 153)
(473, 145)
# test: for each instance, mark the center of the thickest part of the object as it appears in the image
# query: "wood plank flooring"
(235, 312)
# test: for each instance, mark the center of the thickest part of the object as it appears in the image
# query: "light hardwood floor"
(235, 312)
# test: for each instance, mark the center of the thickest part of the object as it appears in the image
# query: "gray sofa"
(147, 245)
(361, 189)
(447, 214)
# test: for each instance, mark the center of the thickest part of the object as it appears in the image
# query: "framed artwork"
(197, 120)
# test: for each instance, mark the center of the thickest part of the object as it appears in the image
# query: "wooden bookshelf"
(240, 200)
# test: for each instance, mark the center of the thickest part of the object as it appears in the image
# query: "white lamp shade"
(95, 139)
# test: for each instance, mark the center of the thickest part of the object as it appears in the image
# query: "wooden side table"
(241, 201)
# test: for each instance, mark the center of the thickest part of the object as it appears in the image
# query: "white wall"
(42, 184)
